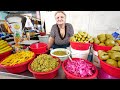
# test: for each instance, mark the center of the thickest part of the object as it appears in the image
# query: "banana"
(1, 41)
(4, 45)
(6, 50)
(4, 42)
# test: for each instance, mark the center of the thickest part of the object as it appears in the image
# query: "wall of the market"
(93, 22)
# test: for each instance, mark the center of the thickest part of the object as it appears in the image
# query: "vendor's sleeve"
(52, 33)
(71, 30)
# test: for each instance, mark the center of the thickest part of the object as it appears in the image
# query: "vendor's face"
(60, 18)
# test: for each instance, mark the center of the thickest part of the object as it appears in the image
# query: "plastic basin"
(38, 48)
(42, 33)
(103, 75)
(5, 54)
(79, 45)
(18, 68)
(111, 70)
(45, 75)
(62, 58)
(71, 76)
(97, 47)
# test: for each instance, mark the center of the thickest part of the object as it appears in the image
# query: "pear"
(96, 41)
(109, 36)
(115, 55)
(109, 42)
(116, 44)
(119, 64)
(103, 55)
(110, 52)
(116, 48)
(101, 38)
(102, 44)
(112, 62)
(118, 41)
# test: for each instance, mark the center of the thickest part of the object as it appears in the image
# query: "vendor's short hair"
(60, 12)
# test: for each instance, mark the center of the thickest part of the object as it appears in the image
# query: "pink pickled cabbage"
(80, 68)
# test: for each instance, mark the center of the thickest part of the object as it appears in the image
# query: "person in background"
(28, 24)
(60, 32)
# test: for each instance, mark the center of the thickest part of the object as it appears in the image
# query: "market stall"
(24, 54)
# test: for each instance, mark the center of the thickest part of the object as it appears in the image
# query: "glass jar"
(17, 37)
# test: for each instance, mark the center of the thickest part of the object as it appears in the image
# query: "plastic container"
(115, 35)
(79, 45)
(42, 33)
(97, 47)
(103, 75)
(38, 48)
(70, 76)
(113, 71)
(62, 58)
(96, 61)
(18, 68)
(5, 54)
(45, 75)
(43, 39)
(79, 53)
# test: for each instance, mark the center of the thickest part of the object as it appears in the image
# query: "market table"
(26, 75)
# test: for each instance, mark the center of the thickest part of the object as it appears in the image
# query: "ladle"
(70, 58)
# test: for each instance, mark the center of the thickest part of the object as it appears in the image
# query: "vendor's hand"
(48, 48)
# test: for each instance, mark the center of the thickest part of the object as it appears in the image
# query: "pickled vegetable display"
(82, 37)
(44, 63)
(105, 40)
(60, 53)
(80, 68)
(17, 58)
(4, 46)
(111, 57)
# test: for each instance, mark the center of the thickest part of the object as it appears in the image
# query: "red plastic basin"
(113, 71)
(38, 48)
(103, 75)
(18, 68)
(97, 47)
(79, 45)
(71, 76)
(5, 54)
(42, 33)
(45, 75)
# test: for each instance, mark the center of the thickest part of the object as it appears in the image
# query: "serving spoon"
(70, 58)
